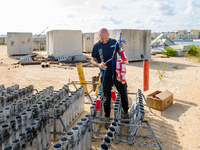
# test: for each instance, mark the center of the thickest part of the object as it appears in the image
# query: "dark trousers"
(121, 88)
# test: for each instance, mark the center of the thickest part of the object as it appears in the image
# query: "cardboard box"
(160, 100)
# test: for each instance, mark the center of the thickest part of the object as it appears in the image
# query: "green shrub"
(169, 51)
(194, 51)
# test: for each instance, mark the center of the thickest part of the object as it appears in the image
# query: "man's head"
(103, 35)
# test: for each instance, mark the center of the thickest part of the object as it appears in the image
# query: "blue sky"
(91, 15)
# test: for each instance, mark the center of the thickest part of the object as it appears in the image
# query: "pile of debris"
(36, 59)
(162, 41)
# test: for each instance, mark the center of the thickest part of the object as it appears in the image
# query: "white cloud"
(153, 19)
(72, 15)
(103, 7)
(165, 8)
(136, 20)
(90, 15)
(193, 5)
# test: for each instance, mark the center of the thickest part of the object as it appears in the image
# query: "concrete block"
(79, 58)
(37, 42)
(88, 42)
(64, 42)
(19, 43)
(138, 42)
(180, 53)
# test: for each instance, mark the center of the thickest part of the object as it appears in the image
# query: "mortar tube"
(115, 112)
(44, 104)
(88, 133)
(70, 137)
(37, 96)
(7, 113)
(8, 148)
(29, 99)
(72, 106)
(64, 143)
(16, 95)
(29, 137)
(84, 122)
(1, 117)
(114, 125)
(51, 98)
(40, 107)
(22, 139)
(5, 97)
(5, 133)
(24, 103)
(24, 121)
(112, 129)
(19, 94)
(39, 123)
(104, 147)
(61, 109)
(51, 88)
(70, 110)
(29, 114)
(109, 135)
(92, 111)
(12, 126)
(67, 119)
(33, 125)
(48, 102)
(43, 131)
(11, 97)
(20, 106)
(35, 111)
(34, 99)
(80, 136)
(48, 136)
(18, 121)
(107, 141)
(14, 109)
(15, 144)
(39, 133)
(57, 146)
(76, 139)
(141, 115)
(34, 146)
(65, 113)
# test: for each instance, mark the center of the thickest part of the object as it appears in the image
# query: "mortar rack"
(135, 123)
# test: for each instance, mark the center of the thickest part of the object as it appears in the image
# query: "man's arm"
(96, 64)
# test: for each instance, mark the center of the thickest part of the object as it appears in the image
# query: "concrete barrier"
(64, 42)
(19, 43)
(138, 42)
(88, 42)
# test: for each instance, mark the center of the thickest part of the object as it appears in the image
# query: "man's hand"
(96, 64)
(102, 66)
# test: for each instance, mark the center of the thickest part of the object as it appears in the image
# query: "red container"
(118, 76)
(98, 105)
(123, 80)
(113, 94)
(122, 68)
(118, 61)
(124, 57)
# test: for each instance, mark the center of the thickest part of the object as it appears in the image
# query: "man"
(103, 51)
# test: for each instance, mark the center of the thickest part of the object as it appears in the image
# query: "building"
(184, 34)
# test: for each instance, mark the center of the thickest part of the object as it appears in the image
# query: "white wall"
(64, 42)
(19, 43)
(88, 42)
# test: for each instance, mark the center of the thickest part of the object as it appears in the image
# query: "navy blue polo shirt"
(104, 52)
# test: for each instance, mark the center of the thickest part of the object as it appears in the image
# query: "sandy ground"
(177, 127)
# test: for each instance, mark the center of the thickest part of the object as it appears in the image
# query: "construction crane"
(42, 31)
